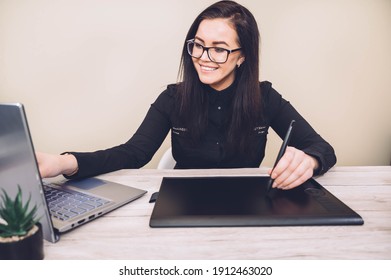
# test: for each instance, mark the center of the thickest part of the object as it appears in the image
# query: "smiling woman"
(218, 113)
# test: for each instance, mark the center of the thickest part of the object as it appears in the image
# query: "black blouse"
(212, 151)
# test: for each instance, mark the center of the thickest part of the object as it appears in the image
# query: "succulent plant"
(18, 218)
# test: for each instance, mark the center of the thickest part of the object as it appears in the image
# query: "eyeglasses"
(215, 54)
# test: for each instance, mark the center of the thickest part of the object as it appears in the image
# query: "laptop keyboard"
(67, 204)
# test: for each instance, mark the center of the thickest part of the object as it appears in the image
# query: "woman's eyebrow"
(214, 42)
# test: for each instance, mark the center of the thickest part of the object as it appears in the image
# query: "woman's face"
(217, 33)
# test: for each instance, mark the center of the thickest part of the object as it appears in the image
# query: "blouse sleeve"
(138, 150)
(280, 113)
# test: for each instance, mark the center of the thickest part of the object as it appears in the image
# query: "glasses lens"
(218, 55)
(195, 49)
(190, 46)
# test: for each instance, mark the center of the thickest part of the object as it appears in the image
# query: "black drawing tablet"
(242, 201)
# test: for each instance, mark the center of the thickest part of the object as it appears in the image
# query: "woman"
(219, 113)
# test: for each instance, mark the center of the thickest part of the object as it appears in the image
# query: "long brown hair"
(246, 103)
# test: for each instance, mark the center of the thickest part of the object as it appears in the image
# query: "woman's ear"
(240, 61)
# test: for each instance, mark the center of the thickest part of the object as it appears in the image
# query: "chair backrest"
(167, 161)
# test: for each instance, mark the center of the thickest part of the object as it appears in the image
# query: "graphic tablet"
(243, 201)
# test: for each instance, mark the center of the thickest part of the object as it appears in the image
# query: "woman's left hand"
(294, 168)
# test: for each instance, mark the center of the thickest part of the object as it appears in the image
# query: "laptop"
(243, 201)
(63, 205)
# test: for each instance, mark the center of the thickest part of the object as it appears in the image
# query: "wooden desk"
(125, 232)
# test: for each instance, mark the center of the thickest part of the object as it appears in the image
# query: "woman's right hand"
(54, 165)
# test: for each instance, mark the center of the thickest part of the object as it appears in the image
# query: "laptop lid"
(242, 201)
(18, 166)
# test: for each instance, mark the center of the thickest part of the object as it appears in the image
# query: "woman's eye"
(198, 46)
(219, 50)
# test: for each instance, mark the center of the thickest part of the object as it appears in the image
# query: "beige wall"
(87, 71)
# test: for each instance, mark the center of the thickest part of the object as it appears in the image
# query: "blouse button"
(219, 108)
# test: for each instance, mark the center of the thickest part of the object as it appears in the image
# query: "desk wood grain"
(125, 232)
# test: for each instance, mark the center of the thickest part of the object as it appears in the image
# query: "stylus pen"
(281, 152)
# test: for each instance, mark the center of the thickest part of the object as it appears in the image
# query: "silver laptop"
(62, 205)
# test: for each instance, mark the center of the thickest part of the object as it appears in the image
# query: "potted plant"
(21, 236)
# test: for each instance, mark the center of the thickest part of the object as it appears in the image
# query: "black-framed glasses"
(215, 54)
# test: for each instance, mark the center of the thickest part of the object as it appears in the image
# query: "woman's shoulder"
(169, 92)
(272, 99)
(166, 99)
(172, 88)
(266, 86)
(268, 92)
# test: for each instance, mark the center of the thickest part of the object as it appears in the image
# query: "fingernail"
(274, 185)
